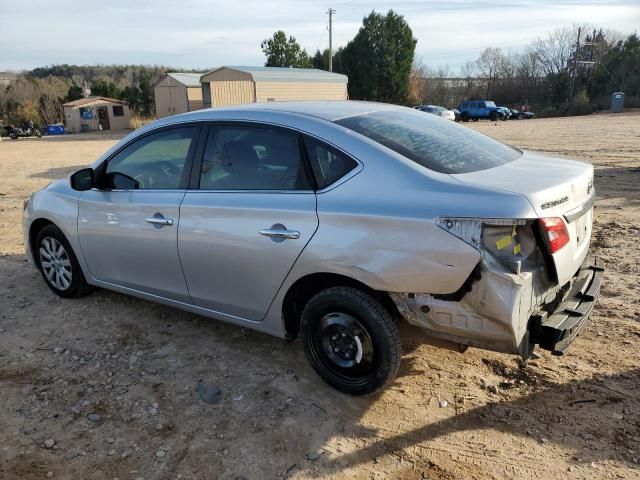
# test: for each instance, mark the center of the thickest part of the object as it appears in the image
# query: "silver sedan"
(330, 222)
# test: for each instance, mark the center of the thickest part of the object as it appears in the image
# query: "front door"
(128, 228)
(103, 118)
(242, 230)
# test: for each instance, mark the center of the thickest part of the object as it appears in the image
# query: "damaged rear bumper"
(557, 330)
(508, 312)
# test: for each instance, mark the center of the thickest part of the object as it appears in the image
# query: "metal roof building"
(231, 85)
(177, 93)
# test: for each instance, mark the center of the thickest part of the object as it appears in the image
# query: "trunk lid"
(555, 187)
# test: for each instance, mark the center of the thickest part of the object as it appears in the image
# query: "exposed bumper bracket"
(558, 330)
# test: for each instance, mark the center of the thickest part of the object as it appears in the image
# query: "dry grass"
(138, 121)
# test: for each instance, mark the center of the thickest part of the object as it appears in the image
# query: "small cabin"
(96, 113)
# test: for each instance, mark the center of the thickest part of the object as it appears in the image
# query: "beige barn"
(177, 93)
(237, 85)
(95, 113)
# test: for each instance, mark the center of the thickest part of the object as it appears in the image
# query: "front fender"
(58, 204)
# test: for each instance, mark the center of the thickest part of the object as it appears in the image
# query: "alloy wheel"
(55, 263)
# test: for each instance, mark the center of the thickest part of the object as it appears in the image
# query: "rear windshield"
(438, 144)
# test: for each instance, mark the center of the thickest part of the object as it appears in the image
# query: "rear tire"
(13, 135)
(351, 340)
(521, 116)
(59, 265)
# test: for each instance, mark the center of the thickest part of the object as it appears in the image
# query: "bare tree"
(555, 51)
(417, 80)
(488, 64)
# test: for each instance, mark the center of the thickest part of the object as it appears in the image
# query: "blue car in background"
(477, 109)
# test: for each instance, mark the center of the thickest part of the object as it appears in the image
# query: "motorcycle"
(28, 129)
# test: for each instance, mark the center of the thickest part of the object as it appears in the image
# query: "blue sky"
(206, 33)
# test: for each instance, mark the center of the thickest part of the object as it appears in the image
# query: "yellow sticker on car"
(503, 242)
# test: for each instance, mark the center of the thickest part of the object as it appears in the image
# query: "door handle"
(280, 234)
(160, 221)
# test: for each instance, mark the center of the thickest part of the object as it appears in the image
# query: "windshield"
(435, 143)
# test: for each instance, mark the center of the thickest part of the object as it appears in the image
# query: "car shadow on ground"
(273, 406)
(586, 416)
(56, 173)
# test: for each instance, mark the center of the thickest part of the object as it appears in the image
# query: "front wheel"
(465, 117)
(59, 265)
(493, 116)
(37, 133)
(351, 340)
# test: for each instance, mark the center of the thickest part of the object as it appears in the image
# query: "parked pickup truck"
(477, 109)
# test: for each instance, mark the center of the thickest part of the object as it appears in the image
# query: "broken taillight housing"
(556, 232)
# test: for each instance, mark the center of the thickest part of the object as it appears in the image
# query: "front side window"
(252, 158)
(156, 161)
(444, 147)
(328, 164)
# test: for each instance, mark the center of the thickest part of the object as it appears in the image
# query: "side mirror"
(82, 180)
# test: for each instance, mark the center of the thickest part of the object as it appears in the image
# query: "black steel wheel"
(493, 116)
(350, 340)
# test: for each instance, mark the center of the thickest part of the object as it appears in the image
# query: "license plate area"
(581, 229)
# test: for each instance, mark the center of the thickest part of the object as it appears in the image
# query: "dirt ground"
(105, 387)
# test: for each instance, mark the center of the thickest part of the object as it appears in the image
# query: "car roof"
(328, 110)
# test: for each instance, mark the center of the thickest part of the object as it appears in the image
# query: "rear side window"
(441, 146)
(328, 164)
(252, 158)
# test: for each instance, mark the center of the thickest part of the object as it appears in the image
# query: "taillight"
(556, 231)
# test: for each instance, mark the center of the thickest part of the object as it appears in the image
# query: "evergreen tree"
(378, 60)
(285, 52)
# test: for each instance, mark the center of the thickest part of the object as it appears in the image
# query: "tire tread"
(383, 319)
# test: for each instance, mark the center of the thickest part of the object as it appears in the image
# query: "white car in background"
(439, 111)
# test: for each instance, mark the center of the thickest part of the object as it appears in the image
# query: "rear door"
(248, 216)
(128, 228)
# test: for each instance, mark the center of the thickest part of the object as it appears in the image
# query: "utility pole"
(574, 67)
(331, 11)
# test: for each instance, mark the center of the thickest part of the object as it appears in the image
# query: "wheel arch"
(35, 227)
(304, 288)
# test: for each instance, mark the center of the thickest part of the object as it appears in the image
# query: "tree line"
(573, 70)
(38, 94)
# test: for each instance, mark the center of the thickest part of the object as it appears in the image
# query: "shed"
(177, 93)
(237, 85)
(91, 113)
